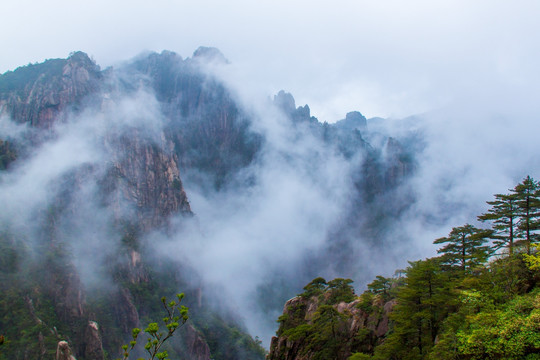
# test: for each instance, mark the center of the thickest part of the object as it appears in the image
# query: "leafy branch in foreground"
(176, 313)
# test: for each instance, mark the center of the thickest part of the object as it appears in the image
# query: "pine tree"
(528, 200)
(422, 304)
(381, 285)
(504, 215)
(464, 247)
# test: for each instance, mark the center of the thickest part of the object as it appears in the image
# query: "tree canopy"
(478, 299)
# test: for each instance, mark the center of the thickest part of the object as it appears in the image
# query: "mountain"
(98, 171)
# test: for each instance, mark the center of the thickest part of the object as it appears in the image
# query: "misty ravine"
(167, 174)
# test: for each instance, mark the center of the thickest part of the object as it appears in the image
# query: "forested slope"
(479, 299)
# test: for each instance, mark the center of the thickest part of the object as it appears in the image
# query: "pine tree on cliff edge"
(504, 215)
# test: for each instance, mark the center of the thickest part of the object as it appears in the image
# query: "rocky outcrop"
(310, 328)
(63, 351)
(93, 348)
(7, 154)
(210, 54)
(68, 293)
(127, 316)
(285, 102)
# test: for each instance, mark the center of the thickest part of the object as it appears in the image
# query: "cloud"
(245, 234)
(28, 186)
(383, 59)
(474, 149)
(479, 140)
(10, 129)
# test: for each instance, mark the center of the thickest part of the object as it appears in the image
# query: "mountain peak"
(353, 120)
(210, 54)
(285, 101)
(81, 59)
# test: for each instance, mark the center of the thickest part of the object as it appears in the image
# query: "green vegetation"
(324, 334)
(474, 301)
(27, 327)
(515, 216)
(335, 291)
(17, 80)
(528, 202)
(465, 247)
(227, 340)
(479, 299)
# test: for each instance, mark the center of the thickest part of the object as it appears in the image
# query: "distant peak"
(355, 116)
(285, 101)
(353, 120)
(80, 58)
(210, 54)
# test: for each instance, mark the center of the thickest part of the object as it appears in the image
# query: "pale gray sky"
(383, 58)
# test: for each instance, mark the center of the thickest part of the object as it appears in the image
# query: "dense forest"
(478, 299)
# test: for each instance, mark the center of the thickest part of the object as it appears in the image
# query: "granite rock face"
(147, 178)
(39, 95)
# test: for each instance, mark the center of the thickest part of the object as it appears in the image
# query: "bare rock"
(92, 340)
(63, 351)
(146, 178)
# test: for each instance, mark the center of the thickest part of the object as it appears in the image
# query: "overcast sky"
(384, 58)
